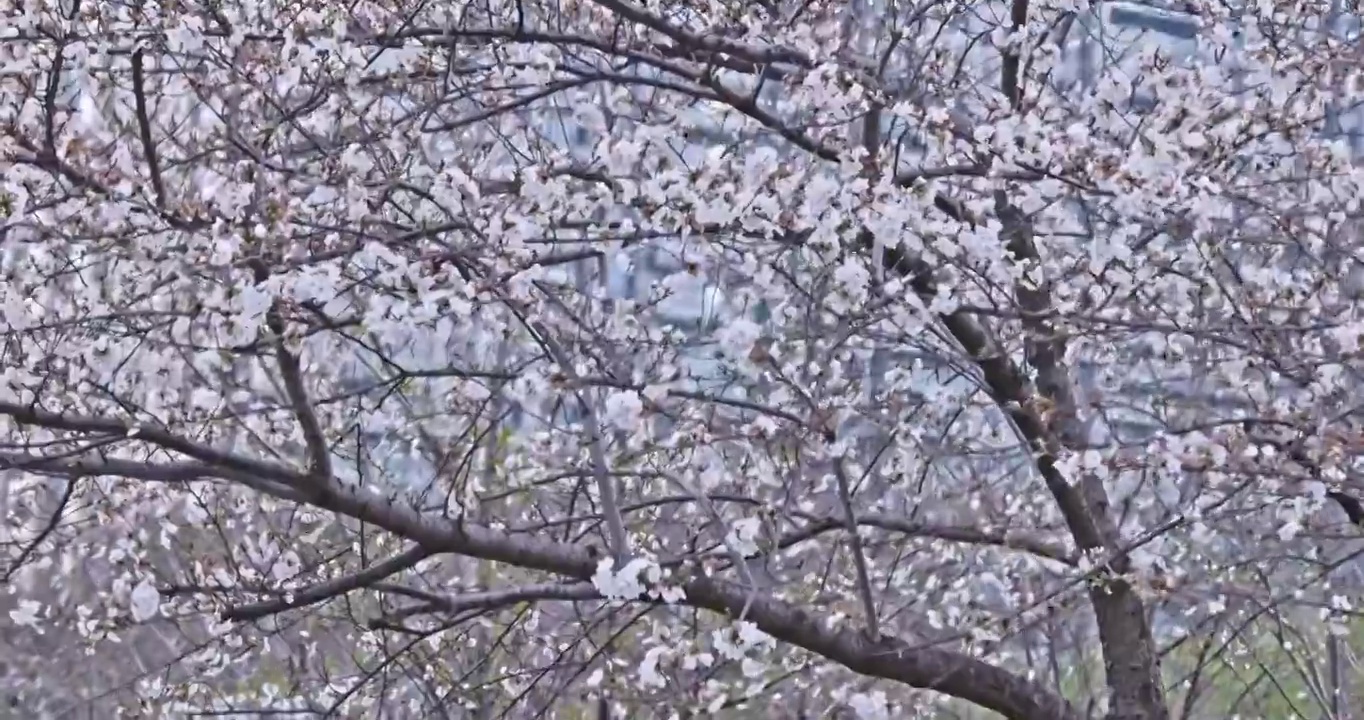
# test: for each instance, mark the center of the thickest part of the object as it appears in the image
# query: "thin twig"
(144, 124)
(489, 599)
(291, 370)
(855, 545)
(330, 589)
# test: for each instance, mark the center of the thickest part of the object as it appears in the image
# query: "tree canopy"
(532, 358)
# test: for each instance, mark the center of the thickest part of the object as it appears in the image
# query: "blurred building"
(1103, 40)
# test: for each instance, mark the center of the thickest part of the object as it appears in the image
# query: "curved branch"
(492, 599)
(1035, 544)
(330, 589)
(1040, 547)
(944, 671)
(51, 525)
(949, 672)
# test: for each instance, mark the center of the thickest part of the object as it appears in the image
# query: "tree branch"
(328, 590)
(606, 485)
(1013, 541)
(181, 472)
(492, 599)
(1131, 666)
(855, 545)
(51, 525)
(945, 671)
(319, 454)
(144, 124)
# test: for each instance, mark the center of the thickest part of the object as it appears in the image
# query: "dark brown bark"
(1130, 660)
(1046, 414)
(945, 671)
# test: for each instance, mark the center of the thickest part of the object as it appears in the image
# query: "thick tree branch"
(935, 669)
(944, 671)
(178, 472)
(218, 460)
(1131, 666)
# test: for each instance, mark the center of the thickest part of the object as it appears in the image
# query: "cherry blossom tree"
(526, 358)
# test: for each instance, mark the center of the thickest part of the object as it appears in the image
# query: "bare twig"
(606, 486)
(144, 124)
(51, 525)
(855, 546)
(328, 590)
(490, 599)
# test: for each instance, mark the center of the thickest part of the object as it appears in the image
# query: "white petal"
(145, 601)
